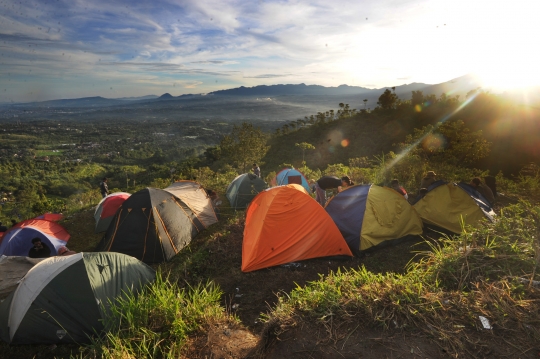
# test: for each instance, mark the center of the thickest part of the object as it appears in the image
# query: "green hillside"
(420, 297)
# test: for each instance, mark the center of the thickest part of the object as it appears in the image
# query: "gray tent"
(65, 299)
(243, 189)
(195, 197)
(12, 270)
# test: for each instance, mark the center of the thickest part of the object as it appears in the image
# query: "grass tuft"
(158, 322)
(483, 272)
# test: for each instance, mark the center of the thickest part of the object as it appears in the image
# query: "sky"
(51, 49)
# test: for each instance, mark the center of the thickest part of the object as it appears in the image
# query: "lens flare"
(418, 108)
(345, 143)
(421, 140)
(433, 142)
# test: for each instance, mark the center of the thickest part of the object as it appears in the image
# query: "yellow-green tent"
(369, 215)
(447, 205)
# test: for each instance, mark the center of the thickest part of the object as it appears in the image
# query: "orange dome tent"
(284, 224)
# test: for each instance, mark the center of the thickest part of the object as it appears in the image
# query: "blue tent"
(368, 215)
(17, 241)
(292, 176)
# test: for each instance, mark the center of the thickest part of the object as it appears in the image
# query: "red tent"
(106, 209)
(17, 240)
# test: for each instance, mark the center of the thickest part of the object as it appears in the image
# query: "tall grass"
(486, 271)
(157, 322)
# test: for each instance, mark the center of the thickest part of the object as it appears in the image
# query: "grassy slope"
(367, 135)
(382, 301)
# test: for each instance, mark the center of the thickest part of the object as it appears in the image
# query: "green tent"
(243, 189)
(66, 299)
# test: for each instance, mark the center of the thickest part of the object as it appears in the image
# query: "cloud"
(267, 76)
(237, 42)
(192, 85)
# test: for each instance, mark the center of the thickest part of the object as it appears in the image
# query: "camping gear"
(151, 225)
(17, 241)
(284, 224)
(291, 176)
(106, 209)
(12, 269)
(67, 299)
(368, 215)
(329, 182)
(196, 198)
(447, 205)
(243, 189)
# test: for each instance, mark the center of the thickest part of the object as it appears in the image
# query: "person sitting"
(428, 180)
(213, 196)
(64, 251)
(484, 190)
(39, 250)
(345, 182)
(399, 189)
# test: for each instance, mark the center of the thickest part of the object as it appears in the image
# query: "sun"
(516, 76)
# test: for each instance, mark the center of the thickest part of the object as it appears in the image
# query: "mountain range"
(459, 85)
(260, 103)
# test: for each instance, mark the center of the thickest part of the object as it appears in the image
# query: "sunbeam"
(404, 153)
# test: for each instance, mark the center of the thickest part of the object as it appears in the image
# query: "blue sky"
(53, 49)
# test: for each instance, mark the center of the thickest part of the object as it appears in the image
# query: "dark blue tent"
(368, 215)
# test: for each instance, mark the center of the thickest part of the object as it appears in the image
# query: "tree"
(387, 100)
(365, 103)
(417, 98)
(304, 146)
(245, 145)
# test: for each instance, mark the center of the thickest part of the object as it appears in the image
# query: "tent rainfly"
(196, 198)
(448, 205)
(66, 299)
(152, 225)
(284, 224)
(291, 176)
(368, 215)
(106, 209)
(17, 241)
(243, 189)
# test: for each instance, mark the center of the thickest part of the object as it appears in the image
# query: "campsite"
(274, 274)
(269, 179)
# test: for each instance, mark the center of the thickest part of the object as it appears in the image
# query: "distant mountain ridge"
(290, 89)
(460, 85)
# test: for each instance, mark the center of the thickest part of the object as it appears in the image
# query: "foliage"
(388, 100)
(304, 146)
(245, 145)
(157, 322)
(451, 142)
(417, 98)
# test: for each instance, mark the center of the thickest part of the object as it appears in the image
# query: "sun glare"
(518, 76)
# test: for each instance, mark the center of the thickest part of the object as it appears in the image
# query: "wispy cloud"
(215, 44)
(267, 76)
